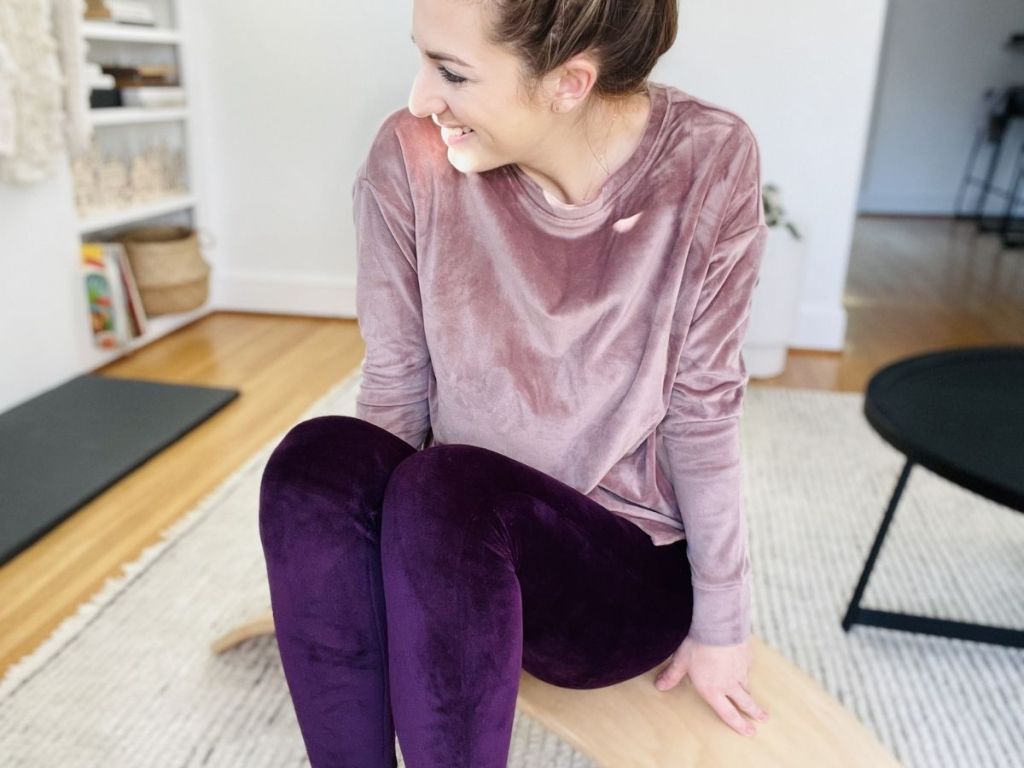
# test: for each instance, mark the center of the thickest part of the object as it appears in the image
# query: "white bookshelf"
(120, 217)
(124, 44)
(127, 33)
(136, 115)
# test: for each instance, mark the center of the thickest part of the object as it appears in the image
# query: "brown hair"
(626, 37)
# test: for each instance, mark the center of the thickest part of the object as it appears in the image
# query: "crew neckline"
(615, 184)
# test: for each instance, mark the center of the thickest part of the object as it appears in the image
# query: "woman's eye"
(450, 77)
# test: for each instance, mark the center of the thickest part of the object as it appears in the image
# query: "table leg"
(855, 614)
(853, 611)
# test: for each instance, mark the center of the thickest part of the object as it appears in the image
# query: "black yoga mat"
(63, 448)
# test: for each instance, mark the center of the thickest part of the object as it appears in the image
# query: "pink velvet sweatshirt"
(599, 343)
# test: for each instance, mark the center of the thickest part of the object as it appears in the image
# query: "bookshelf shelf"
(105, 30)
(116, 218)
(157, 327)
(136, 115)
(161, 325)
(138, 126)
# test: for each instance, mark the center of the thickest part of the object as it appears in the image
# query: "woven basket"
(169, 268)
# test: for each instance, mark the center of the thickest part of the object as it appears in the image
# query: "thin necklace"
(604, 167)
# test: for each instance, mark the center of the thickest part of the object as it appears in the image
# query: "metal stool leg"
(1011, 203)
(986, 187)
(968, 177)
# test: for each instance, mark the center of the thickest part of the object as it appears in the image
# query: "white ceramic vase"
(775, 304)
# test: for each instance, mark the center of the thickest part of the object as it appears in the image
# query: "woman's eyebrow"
(438, 56)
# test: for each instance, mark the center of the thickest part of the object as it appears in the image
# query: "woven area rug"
(130, 679)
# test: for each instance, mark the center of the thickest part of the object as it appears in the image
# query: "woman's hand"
(719, 673)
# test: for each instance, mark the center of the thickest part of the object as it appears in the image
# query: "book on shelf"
(153, 96)
(136, 12)
(136, 309)
(115, 307)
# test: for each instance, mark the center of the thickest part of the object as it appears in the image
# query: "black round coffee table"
(960, 414)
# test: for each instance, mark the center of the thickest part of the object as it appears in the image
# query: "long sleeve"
(396, 370)
(701, 430)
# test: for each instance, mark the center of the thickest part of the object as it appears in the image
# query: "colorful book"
(115, 304)
(102, 312)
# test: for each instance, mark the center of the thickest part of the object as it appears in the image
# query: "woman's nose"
(423, 100)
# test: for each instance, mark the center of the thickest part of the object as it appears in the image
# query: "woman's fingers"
(730, 715)
(746, 702)
(676, 670)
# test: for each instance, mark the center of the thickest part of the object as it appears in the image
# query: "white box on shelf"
(153, 96)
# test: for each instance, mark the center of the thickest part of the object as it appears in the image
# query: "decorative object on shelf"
(145, 177)
(153, 96)
(112, 183)
(96, 10)
(169, 268)
(83, 174)
(142, 74)
(104, 182)
(102, 87)
(37, 86)
(136, 12)
(776, 303)
(144, 85)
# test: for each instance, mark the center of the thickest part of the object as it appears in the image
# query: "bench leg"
(262, 625)
(907, 622)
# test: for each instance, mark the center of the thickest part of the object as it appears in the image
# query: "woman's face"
(480, 90)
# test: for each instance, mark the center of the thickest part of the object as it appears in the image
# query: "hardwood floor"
(913, 284)
(281, 365)
(916, 284)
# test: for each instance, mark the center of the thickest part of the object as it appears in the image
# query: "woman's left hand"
(719, 673)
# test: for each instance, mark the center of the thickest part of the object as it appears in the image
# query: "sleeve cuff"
(721, 615)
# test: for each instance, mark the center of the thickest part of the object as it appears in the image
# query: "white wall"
(297, 98)
(285, 106)
(45, 336)
(939, 57)
(292, 101)
(802, 73)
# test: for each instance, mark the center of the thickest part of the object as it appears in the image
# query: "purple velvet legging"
(410, 587)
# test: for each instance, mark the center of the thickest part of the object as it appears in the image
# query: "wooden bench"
(634, 725)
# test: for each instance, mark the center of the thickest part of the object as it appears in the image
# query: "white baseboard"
(821, 328)
(275, 291)
(882, 204)
(323, 295)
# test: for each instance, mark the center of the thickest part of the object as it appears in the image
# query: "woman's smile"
(453, 136)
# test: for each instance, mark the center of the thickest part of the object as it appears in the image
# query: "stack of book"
(146, 85)
(115, 306)
(136, 12)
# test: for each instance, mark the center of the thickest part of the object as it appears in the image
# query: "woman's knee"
(324, 472)
(439, 492)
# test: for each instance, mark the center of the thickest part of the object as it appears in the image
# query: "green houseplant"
(774, 213)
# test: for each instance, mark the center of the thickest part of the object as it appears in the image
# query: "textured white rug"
(130, 679)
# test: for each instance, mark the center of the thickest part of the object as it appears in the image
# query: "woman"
(556, 264)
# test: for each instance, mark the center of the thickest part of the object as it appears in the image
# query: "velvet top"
(599, 343)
